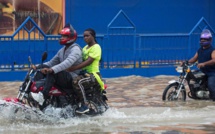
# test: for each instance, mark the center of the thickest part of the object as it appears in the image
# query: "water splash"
(16, 119)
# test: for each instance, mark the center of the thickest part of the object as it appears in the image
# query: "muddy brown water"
(136, 107)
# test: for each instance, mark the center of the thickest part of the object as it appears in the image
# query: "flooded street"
(136, 107)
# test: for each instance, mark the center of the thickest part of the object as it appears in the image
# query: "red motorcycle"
(58, 98)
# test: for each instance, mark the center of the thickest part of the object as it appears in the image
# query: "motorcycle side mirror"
(44, 56)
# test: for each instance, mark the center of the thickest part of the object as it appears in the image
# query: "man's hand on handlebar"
(200, 65)
(47, 70)
(33, 66)
(183, 63)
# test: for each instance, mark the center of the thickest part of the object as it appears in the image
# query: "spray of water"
(22, 119)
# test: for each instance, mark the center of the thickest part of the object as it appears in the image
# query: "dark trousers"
(62, 80)
(211, 86)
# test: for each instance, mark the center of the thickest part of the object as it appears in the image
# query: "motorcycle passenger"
(55, 69)
(91, 56)
(206, 60)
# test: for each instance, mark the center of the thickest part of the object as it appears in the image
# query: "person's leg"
(62, 79)
(49, 82)
(80, 96)
(211, 86)
(41, 96)
(39, 75)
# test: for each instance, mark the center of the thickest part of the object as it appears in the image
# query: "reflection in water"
(134, 109)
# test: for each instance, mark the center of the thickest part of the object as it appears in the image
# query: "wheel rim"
(172, 96)
(172, 93)
(93, 110)
(32, 102)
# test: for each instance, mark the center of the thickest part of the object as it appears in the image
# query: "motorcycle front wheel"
(170, 93)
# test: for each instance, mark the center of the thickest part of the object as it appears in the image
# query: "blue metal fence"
(122, 46)
(162, 50)
(120, 51)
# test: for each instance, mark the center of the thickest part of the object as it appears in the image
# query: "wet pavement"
(136, 94)
(131, 91)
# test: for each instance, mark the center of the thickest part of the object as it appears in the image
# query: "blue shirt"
(203, 56)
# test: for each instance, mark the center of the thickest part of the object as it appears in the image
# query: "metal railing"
(121, 47)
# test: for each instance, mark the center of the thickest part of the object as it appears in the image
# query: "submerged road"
(141, 109)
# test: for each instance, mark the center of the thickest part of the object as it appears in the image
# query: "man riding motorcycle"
(206, 60)
(55, 69)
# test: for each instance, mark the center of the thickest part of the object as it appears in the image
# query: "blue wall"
(154, 35)
(149, 16)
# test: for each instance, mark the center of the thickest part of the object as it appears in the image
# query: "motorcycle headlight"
(179, 69)
(188, 70)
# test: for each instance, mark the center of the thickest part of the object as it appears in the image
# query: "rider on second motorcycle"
(55, 69)
(206, 60)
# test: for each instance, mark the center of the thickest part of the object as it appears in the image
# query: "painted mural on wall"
(47, 14)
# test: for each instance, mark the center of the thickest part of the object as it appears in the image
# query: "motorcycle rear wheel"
(170, 92)
(93, 108)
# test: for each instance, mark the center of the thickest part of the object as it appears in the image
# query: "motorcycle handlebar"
(189, 64)
(186, 63)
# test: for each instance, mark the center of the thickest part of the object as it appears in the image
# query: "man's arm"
(74, 55)
(82, 65)
(193, 59)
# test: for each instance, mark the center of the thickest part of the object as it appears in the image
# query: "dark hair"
(92, 32)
